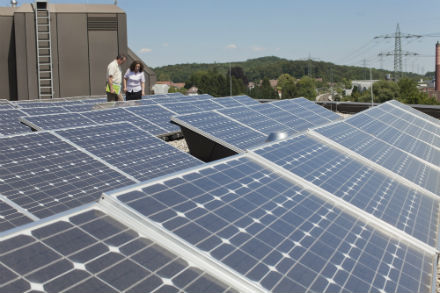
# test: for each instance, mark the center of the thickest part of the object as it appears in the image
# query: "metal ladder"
(44, 50)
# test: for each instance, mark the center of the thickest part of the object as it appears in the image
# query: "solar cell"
(277, 234)
(245, 100)
(317, 109)
(182, 107)
(47, 103)
(122, 115)
(10, 122)
(44, 110)
(220, 128)
(207, 105)
(384, 154)
(45, 175)
(92, 252)
(295, 108)
(6, 106)
(56, 121)
(384, 197)
(131, 150)
(81, 107)
(157, 115)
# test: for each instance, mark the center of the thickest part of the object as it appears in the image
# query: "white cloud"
(231, 46)
(257, 49)
(145, 50)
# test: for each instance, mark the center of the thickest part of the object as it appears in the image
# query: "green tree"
(306, 88)
(287, 84)
(385, 90)
(408, 91)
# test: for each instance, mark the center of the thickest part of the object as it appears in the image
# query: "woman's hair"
(133, 65)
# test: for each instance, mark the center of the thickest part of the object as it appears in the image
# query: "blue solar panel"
(122, 115)
(384, 197)
(47, 103)
(415, 112)
(317, 109)
(44, 110)
(295, 108)
(92, 252)
(218, 127)
(294, 122)
(6, 106)
(57, 121)
(81, 107)
(259, 122)
(207, 105)
(157, 115)
(277, 234)
(245, 100)
(45, 175)
(130, 149)
(384, 154)
(10, 122)
(228, 102)
(395, 137)
(182, 107)
(10, 217)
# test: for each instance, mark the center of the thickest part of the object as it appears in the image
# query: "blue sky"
(341, 31)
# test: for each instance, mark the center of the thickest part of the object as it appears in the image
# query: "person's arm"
(143, 84)
(125, 84)
(110, 84)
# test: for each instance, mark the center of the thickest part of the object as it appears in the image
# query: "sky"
(168, 32)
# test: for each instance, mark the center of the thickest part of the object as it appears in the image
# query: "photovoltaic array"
(338, 206)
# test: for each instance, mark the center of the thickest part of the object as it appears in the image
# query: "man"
(114, 79)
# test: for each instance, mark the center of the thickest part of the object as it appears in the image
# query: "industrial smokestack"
(14, 3)
(437, 67)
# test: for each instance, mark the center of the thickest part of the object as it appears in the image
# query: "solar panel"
(94, 101)
(92, 252)
(295, 108)
(396, 137)
(6, 106)
(44, 110)
(56, 121)
(220, 128)
(81, 107)
(414, 112)
(207, 105)
(131, 150)
(317, 109)
(46, 103)
(228, 102)
(253, 119)
(245, 100)
(10, 122)
(182, 108)
(384, 154)
(45, 175)
(277, 234)
(122, 115)
(10, 217)
(407, 123)
(384, 197)
(157, 115)
(294, 122)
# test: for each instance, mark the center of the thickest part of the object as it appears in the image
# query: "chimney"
(437, 67)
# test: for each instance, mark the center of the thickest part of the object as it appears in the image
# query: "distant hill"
(272, 67)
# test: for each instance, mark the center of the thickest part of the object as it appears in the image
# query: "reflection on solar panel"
(92, 252)
(317, 109)
(384, 154)
(207, 105)
(45, 175)
(182, 108)
(57, 121)
(10, 122)
(157, 115)
(5, 106)
(131, 150)
(245, 100)
(277, 234)
(219, 128)
(81, 107)
(44, 110)
(384, 197)
(121, 115)
(395, 137)
(10, 217)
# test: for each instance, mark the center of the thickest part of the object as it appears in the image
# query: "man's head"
(121, 59)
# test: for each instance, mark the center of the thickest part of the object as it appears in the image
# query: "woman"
(134, 81)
